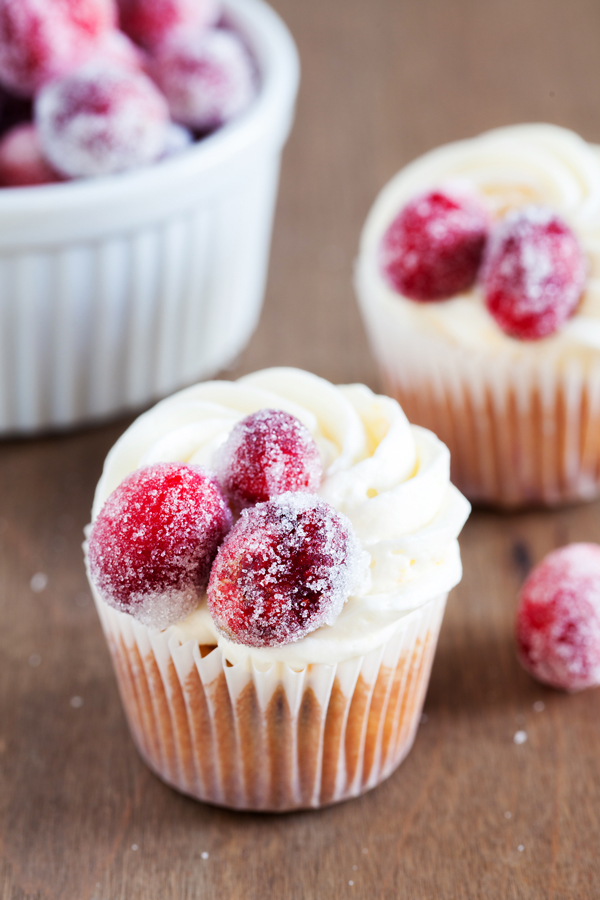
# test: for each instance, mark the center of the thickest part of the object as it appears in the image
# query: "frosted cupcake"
(478, 282)
(281, 663)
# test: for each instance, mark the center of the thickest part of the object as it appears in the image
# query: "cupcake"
(478, 282)
(270, 560)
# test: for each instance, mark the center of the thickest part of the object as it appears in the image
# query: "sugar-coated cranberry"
(101, 119)
(117, 49)
(43, 39)
(21, 161)
(558, 619)
(287, 567)
(267, 453)
(178, 139)
(208, 78)
(434, 247)
(151, 22)
(534, 273)
(152, 545)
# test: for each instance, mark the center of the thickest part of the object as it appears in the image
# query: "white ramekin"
(117, 291)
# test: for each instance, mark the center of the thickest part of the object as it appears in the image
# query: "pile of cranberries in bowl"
(166, 536)
(530, 266)
(96, 87)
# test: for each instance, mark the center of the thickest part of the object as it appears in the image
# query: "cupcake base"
(520, 432)
(273, 740)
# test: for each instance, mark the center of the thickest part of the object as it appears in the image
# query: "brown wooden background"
(383, 80)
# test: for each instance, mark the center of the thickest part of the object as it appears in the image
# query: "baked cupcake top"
(532, 173)
(390, 479)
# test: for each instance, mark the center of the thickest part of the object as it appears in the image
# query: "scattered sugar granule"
(134, 847)
(539, 706)
(507, 815)
(204, 855)
(35, 660)
(76, 702)
(520, 737)
(520, 848)
(39, 582)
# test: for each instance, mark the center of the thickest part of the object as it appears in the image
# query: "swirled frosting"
(391, 479)
(508, 168)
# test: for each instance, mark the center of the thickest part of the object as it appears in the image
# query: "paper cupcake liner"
(274, 740)
(519, 432)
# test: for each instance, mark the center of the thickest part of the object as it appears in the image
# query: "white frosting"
(508, 168)
(390, 478)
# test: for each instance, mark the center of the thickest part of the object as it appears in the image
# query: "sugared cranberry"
(268, 453)
(117, 49)
(207, 78)
(101, 119)
(558, 619)
(433, 249)
(21, 160)
(534, 273)
(287, 567)
(178, 139)
(43, 39)
(151, 548)
(151, 22)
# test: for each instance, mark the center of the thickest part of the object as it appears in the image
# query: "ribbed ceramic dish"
(117, 291)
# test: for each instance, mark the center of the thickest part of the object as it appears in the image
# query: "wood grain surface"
(470, 814)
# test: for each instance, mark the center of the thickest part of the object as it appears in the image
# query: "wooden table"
(471, 813)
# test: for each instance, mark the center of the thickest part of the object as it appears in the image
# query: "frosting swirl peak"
(391, 479)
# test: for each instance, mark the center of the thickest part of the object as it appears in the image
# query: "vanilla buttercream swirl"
(508, 168)
(391, 479)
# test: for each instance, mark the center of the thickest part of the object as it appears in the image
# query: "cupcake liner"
(520, 432)
(272, 740)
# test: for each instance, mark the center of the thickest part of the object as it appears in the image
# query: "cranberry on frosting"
(286, 568)
(152, 545)
(268, 453)
(558, 619)
(534, 273)
(434, 247)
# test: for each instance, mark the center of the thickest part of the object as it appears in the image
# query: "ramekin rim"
(275, 52)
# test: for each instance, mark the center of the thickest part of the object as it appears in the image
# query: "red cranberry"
(117, 49)
(151, 548)
(207, 78)
(101, 119)
(151, 22)
(534, 273)
(286, 568)
(558, 619)
(268, 453)
(21, 160)
(40, 41)
(434, 247)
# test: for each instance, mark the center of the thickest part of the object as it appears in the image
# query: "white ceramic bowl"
(117, 291)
